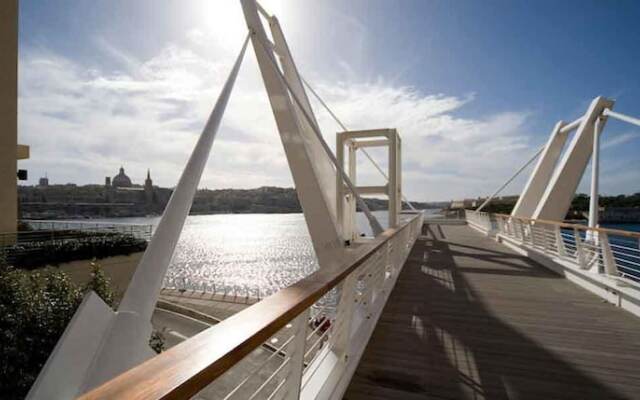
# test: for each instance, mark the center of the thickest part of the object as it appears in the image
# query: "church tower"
(148, 189)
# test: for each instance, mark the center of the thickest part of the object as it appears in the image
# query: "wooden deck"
(470, 319)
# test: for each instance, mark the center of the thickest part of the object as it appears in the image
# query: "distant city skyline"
(473, 88)
(53, 181)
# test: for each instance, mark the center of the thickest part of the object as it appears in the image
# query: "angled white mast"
(313, 165)
(99, 344)
(559, 193)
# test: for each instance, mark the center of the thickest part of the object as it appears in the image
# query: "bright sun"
(223, 18)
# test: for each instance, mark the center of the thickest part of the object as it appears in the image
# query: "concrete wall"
(8, 114)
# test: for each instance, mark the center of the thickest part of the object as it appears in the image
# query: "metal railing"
(479, 219)
(318, 327)
(61, 228)
(41, 235)
(227, 292)
(610, 252)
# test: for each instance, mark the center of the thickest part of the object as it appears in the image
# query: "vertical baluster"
(344, 315)
(521, 231)
(560, 242)
(295, 351)
(579, 249)
(609, 261)
(530, 232)
(378, 278)
(545, 244)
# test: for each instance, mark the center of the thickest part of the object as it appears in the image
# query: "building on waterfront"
(44, 181)
(118, 197)
(10, 150)
(121, 180)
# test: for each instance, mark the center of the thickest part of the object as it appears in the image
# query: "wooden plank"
(470, 319)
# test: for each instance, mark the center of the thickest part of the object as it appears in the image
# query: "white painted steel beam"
(631, 120)
(595, 171)
(300, 148)
(373, 221)
(370, 133)
(369, 190)
(556, 200)
(320, 162)
(571, 126)
(537, 183)
(344, 128)
(112, 342)
(370, 143)
(393, 190)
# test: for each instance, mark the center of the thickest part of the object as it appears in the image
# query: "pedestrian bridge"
(470, 318)
(493, 306)
(455, 315)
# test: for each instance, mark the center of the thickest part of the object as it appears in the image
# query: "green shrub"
(100, 284)
(156, 342)
(35, 308)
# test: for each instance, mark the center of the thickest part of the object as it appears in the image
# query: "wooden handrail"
(184, 370)
(615, 232)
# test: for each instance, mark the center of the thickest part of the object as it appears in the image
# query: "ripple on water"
(255, 252)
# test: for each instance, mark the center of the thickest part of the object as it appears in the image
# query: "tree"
(100, 284)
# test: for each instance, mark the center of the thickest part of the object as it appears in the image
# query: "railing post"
(532, 226)
(610, 267)
(522, 237)
(579, 249)
(295, 352)
(344, 315)
(560, 242)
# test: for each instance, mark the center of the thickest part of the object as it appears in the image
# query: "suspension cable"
(344, 128)
(144, 288)
(510, 179)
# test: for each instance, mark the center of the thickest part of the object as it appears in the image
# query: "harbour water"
(624, 227)
(255, 254)
(248, 253)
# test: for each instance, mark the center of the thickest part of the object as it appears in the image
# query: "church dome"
(121, 180)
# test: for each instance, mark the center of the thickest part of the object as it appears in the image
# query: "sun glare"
(224, 18)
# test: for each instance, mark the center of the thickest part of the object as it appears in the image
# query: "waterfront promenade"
(470, 319)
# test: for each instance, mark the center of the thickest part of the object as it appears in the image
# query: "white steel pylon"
(555, 179)
(98, 344)
(556, 200)
(313, 167)
(537, 183)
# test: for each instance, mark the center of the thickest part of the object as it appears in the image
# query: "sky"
(473, 88)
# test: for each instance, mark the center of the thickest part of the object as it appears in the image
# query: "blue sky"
(473, 87)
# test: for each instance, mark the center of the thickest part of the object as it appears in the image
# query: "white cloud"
(83, 123)
(620, 139)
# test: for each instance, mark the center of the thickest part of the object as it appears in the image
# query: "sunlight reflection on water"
(256, 254)
(250, 251)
